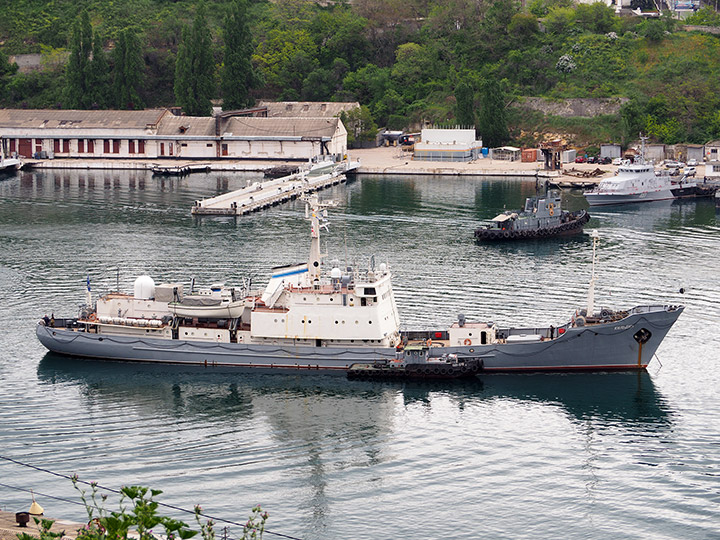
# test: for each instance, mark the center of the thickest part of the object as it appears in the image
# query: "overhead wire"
(117, 491)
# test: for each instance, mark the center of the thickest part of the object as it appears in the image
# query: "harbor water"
(596, 456)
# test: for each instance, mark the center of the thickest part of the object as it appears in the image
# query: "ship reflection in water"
(186, 391)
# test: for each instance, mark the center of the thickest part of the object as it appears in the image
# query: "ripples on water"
(575, 456)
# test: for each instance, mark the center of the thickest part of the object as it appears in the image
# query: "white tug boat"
(634, 183)
(341, 320)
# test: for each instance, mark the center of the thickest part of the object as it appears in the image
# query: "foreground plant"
(138, 518)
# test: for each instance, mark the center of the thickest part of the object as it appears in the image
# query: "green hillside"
(404, 60)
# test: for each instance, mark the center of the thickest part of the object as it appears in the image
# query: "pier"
(260, 195)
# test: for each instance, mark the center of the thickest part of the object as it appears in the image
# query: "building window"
(81, 146)
(66, 146)
(91, 146)
(56, 146)
(12, 146)
(116, 147)
(131, 147)
(224, 149)
(106, 146)
(141, 147)
(38, 145)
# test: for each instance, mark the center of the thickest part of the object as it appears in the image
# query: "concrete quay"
(394, 160)
(372, 161)
(9, 529)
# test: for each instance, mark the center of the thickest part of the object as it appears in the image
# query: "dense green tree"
(596, 17)
(286, 58)
(464, 106)
(78, 89)
(359, 124)
(523, 27)
(653, 30)
(238, 75)
(492, 119)
(340, 34)
(127, 71)
(7, 70)
(367, 84)
(704, 16)
(99, 77)
(560, 20)
(194, 69)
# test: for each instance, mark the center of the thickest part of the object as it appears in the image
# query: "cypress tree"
(237, 73)
(99, 76)
(464, 112)
(195, 68)
(77, 89)
(492, 120)
(127, 71)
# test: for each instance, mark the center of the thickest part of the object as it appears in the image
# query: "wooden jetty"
(180, 169)
(260, 195)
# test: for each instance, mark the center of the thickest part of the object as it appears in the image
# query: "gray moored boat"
(542, 217)
(311, 319)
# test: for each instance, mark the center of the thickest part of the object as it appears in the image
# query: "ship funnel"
(461, 319)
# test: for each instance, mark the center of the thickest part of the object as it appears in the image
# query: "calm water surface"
(534, 456)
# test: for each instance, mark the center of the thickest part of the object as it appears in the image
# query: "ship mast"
(316, 213)
(642, 149)
(591, 289)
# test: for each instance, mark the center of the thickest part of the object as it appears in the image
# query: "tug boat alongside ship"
(542, 217)
(334, 319)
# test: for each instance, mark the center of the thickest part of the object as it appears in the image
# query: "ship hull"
(574, 225)
(607, 199)
(601, 347)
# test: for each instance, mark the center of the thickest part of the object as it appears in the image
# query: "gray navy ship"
(318, 318)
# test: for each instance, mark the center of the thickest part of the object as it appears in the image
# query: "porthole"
(369, 322)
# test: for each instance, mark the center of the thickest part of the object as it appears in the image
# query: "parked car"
(580, 159)
(605, 160)
(692, 162)
(689, 171)
(617, 161)
(672, 164)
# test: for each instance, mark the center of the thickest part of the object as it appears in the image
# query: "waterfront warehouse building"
(437, 144)
(156, 133)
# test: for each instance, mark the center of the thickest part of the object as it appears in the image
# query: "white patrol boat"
(314, 319)
(633, 183)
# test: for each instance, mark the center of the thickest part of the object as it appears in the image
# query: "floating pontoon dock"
(260, 195)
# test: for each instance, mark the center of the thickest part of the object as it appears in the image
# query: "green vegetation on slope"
(406, 61)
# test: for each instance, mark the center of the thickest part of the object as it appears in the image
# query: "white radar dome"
(144, 288)
(383, 267)
(335, 273)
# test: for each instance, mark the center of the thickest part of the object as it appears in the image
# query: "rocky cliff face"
(583, 107)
